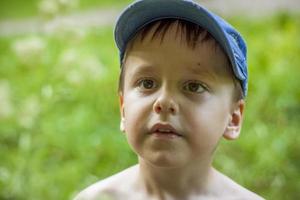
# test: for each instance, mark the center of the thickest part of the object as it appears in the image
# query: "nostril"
(158, 108)
(172, 110)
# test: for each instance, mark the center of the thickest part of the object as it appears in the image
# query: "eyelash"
(142, 80)
(199, 84)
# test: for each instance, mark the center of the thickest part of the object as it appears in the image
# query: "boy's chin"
(160, 160)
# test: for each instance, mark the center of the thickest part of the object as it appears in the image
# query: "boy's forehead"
(205, 58)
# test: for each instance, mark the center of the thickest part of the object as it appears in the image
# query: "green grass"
(62, 132)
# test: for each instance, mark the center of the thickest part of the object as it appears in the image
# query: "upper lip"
(161, 127)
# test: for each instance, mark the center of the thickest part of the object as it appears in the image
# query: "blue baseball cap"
(142, 12)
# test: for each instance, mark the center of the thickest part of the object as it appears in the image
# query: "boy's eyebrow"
(142, 69)
(197, 69)
(194, 69)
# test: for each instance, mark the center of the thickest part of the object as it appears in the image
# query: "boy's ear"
(234, 125)
(122, 122)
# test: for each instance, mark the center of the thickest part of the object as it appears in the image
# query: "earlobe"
(122, 122)
(233, 128)
(231, 134)
(122, 125)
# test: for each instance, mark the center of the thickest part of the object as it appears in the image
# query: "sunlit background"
(59, 115)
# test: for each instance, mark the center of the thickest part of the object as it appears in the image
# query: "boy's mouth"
(160, 129)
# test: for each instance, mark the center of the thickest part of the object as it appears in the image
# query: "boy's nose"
(165, 104)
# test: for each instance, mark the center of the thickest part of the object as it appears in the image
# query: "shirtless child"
(182, 87)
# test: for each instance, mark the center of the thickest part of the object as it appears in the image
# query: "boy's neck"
(193, 179)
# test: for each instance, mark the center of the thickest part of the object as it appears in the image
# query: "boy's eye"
(194, 87)
(146, 84)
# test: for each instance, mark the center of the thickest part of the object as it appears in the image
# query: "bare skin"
(129, 185)
(193, 93)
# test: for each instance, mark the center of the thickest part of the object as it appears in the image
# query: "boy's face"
(188, 89)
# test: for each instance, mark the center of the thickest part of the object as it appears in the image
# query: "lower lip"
(165, 135)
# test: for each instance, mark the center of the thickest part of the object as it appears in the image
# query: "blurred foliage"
(59, 115)
(19, 9)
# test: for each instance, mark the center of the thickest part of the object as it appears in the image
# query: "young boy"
(182, 87)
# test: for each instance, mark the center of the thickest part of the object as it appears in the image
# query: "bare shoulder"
(235, 191)
(111, 188)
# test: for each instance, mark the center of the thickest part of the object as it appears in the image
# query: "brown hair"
(193, 34)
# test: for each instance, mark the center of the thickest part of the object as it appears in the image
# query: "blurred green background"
(59, 115)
